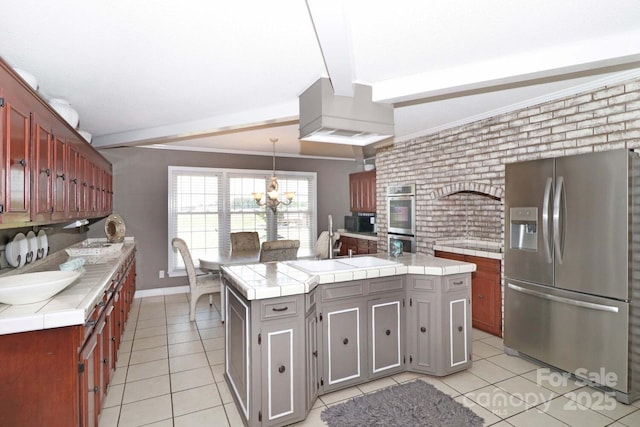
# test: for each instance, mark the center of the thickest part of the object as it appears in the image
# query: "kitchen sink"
(329, 266)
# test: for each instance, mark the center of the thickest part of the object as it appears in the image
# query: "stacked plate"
(24, 249)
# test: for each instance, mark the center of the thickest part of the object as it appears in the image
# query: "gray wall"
(140, 187)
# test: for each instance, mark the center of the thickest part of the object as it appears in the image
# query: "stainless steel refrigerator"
(572, 266)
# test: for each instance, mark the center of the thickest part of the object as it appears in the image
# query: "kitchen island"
(299, 329)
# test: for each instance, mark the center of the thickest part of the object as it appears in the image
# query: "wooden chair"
(199, 285)
(244, 241)
(279, 250)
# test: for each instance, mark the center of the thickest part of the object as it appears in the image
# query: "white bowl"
(28, 77)
(28, 288)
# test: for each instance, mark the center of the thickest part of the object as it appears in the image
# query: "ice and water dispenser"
(523, 223)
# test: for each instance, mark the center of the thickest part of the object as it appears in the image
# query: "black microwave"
(359, 224)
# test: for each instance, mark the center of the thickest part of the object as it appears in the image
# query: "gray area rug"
(411, 404)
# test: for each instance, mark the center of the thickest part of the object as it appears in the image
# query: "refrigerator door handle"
(564, 300)
(545, 219)
(557, 233)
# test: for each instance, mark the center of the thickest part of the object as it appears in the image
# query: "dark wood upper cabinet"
(362, 191)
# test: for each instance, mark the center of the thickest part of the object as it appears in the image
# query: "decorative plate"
(16, 251)
(114, 229)
(32, 244)
(43, 244)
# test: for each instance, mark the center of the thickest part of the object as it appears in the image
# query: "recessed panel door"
(342, 337)
(385, 335)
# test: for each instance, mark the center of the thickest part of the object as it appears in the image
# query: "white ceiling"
(214, 75)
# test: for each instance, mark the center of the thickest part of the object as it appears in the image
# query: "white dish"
(28, 288)
(32, 244)
(16, 251)
(43, 244)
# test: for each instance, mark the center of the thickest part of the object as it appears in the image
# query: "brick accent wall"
(459, 172)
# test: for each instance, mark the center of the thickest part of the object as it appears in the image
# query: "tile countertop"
(271, 280)
(479, 248)
(70, 307)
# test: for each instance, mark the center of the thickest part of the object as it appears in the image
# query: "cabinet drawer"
(341, 291)
(387, 284)
(279, 307)
(424, 283)
(457, 282)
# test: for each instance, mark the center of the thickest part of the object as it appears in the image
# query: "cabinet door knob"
(423, 329)
(95, 389)
(480, 296)
(387, 332)
(61, 175)
(281, 369)
(105, 361)
(459, 328)
(345, 341)
(23, 163)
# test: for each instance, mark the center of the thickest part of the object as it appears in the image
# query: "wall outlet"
(161, 274)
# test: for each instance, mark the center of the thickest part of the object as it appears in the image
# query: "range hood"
(357, 120)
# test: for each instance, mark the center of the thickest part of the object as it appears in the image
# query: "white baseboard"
(161, 291)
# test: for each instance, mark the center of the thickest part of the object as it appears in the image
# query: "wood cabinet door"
(457, 330)
(421, 331)
(281, 399)
(89, 380)
(312, 356)
(385, 335)
(237, 351)
(74, 184)
(16, 135)
(343, 341)
(59, 178)
(41, 172)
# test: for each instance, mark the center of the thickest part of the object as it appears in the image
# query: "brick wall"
(472, 157)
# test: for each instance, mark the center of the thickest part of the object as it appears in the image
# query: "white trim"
(269, 370)
(243, 152)
(464, 312)
(357, 310)
(245, 410)
(571, 91)
(373, 336)
(142, 293)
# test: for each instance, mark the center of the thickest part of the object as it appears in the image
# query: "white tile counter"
(479, 248)
(270, 280)
(70, 307)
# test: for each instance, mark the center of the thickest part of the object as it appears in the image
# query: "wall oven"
(401, 215)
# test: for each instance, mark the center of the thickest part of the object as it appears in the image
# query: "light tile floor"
(170, 374)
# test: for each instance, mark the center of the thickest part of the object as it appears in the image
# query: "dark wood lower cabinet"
(357, 246)
(486, 292)
(58, 377)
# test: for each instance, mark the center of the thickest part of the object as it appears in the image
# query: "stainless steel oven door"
(408, 242)
(401, 215)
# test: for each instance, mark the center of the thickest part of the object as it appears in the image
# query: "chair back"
(182, 247)
(245, 241)
(279, 250)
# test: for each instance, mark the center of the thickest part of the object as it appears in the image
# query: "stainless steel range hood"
(326, 117)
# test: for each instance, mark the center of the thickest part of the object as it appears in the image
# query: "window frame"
(173, 270)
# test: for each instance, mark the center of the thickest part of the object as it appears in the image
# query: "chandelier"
(272, 200)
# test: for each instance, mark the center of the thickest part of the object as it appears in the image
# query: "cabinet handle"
(459, 328)
(315, 353)
(423, 329)
(95, 389)
(74, 180)
(105, 360)
(23, 163)
(47, 171)
(281, 369)
(459, 282)
(345, 341)
(280, 309)
(387, 332)
(91, 323)
(480, 296)
(61, 175)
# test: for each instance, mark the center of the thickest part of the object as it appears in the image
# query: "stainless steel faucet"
(330, 244)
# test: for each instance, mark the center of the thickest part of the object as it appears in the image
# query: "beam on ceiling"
(332, 32)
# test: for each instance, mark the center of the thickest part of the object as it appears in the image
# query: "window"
(206, 204)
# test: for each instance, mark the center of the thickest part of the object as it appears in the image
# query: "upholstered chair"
(321, 249)
(279, 250)
(243, 241)
(198, 285)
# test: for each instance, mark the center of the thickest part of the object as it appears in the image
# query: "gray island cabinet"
(292, 336)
